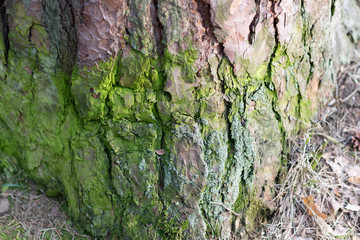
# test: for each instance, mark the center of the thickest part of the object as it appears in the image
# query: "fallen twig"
(350, 95)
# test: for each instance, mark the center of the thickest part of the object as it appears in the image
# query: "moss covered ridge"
(91, 133)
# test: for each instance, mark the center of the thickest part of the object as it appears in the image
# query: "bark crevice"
(269, 84)
(204, 9)
(253, 24)
(63, 36)
(275, 19)
(5, 29)
(158, 30)
(332, 8)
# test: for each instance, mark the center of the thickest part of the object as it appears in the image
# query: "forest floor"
(319, 199)
(27, 213)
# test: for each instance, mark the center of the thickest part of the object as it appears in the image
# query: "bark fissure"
(270, 84)
(63, 35)
(71, 98)
(205, 12)
(161, 179)
(307, 35)
(275, 19)
(253, 24)
(311, 71)
(299, 99)
(71, 32)
(5, 29)
(30, 33)
(303, 15)
(276, 37)
(107, 151)
(158, 29)
(332, 8)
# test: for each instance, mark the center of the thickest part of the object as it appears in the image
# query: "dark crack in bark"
(30, 32)
(254, 22)
(332, 8)
(68, 54)
(5, 29)
(306, 32)
(270, 84)
(161, 180)
(275, 19)
(276, 36)
(63, 36)
(205, 12)
(158, 29)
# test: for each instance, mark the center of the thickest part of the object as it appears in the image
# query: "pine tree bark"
(165, 118)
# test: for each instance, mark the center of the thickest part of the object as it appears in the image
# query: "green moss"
(243, 199)
(256, 213)
(8, 165)
(90, 89)
(134, 70)
(307, 112)
(226, 74)
(185, 60)
(171, 228)
(121, 101)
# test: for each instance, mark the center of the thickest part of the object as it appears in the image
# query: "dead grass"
(32, 215)
(323, 166)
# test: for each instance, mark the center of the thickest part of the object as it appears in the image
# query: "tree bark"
(165, 118)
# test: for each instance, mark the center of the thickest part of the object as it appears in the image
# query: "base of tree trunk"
(165, 119)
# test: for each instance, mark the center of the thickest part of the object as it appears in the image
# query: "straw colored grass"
(32, 215)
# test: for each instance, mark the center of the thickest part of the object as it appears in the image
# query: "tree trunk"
(165, 118)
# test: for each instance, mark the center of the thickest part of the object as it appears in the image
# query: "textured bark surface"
(92, 91)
